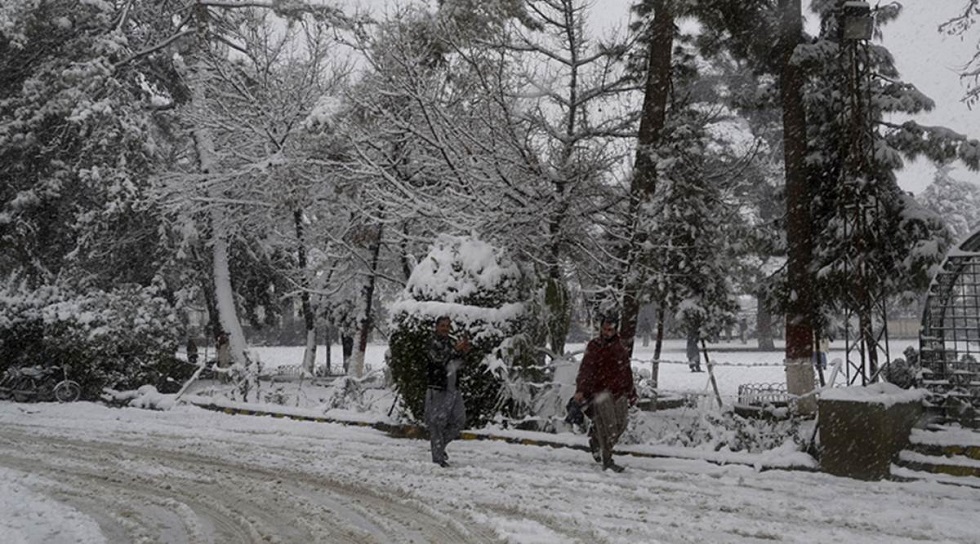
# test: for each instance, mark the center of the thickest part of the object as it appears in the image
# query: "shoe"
(613, 467)
(594, 448)
(443, 464)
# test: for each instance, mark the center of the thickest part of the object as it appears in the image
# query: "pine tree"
(76, 151)
(956, 202)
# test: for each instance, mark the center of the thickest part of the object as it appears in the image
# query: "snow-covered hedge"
(122, 339)
(489, 298)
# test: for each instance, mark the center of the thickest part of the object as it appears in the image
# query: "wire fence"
(714, 363)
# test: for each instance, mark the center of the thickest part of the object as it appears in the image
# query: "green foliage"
(408, 346)
(121, 339)
(486, 368)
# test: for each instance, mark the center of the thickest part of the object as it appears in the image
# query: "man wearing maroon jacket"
(605, 382)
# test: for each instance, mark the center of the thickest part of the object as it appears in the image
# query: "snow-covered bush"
(122, 339)
(489, 299)
(345, 393)
(900, 373)
(146, 397)
(716, 431)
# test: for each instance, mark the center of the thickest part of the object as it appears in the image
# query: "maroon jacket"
(606, 367)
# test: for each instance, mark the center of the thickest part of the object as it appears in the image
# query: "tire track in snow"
(148, 494)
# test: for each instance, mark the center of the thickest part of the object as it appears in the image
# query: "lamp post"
(855, 26)
(856, 22)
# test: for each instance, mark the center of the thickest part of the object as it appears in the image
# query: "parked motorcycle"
(39, 384)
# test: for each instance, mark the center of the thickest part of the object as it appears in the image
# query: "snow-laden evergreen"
(490, 300)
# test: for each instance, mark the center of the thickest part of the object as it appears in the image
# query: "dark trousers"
(445, 416)
(609, 418)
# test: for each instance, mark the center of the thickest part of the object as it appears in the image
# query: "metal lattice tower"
(866, 331)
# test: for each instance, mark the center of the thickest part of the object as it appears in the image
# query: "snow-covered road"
(88, 473)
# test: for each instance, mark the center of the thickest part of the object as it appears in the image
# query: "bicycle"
(39, 384)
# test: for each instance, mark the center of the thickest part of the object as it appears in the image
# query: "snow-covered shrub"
(488, 297)
(646, 387)
(717, 431)
(347, 393)
(278, 395)
(122, 339)
(146, 397)
(900, 373)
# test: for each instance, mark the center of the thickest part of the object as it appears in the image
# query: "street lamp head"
(856, 22)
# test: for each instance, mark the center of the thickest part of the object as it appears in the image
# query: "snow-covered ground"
(88, 473)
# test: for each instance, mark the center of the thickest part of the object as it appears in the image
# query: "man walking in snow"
(605, 382)
(445, 413)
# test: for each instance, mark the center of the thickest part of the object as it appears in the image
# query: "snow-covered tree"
(836, 138)
(272, 113)
(490, 299)
(123, 338)
(567, 119)
(871, 228)
(497, 132)
(956, 202)
(76, 149)
(960, 25)
(242, 92)
(694, 227)
(85, 262)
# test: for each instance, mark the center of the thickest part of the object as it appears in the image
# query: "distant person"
(693, 352)
(191, 350)
(821, 353)
(445, 413)
(605, 385)
(223, 347)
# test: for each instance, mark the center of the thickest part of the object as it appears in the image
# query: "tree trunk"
(309, 319)
(644, 183)
(224, 293)
(347, 348)
(210, 303)
(658, 345)
(225, 296)
(799, 236)
(763, 324)
(556, 290)
(556, 301)
(357, 359)
(327, 351)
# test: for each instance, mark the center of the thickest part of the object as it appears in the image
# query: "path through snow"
(189, 475)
